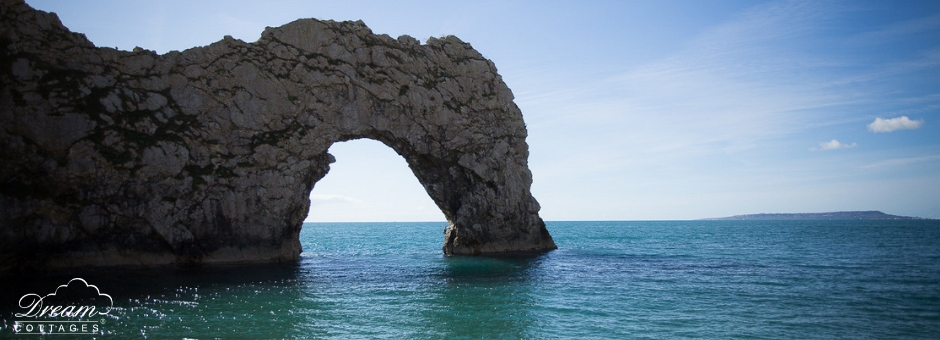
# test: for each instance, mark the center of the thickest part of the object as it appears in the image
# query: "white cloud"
(835, 145)
(318, 198)
(894, 124)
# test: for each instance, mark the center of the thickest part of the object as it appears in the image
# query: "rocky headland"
(209, 155)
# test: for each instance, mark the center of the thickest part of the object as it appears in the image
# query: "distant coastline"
(838, 215)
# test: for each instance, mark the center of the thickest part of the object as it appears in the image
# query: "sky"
(638, 110)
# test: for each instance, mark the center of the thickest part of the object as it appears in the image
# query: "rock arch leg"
(208, 155)
(484, 196)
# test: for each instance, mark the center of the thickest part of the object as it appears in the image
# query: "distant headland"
(838, 215)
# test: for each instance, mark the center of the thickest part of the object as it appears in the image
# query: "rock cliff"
(209, 155)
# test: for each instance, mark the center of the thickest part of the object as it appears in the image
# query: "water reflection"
(388, 282)
(483, 297)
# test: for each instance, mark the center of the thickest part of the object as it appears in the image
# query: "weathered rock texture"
(209, 155)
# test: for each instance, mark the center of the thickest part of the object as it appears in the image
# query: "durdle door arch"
(209, 155)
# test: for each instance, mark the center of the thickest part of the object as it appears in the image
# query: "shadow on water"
(129, 283)
(490, 268)
(253, 301)
(484, 297)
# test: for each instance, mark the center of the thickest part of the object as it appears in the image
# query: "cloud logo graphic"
(75, 299)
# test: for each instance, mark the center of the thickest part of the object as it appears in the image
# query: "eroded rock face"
(209, 155)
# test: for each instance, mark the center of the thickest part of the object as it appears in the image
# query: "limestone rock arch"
(209, 155)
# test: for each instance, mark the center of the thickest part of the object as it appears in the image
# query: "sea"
(607, 280)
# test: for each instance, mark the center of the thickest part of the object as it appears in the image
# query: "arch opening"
(370, 182)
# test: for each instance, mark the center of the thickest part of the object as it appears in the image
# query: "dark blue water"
(642, 280)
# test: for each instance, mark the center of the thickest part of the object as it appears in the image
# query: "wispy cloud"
(323, 199)
(898, 30)
(835, 145)
(900, 161)
(746, 80)
(736, 87)
(894, 124)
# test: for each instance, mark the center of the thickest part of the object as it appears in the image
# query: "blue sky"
(639, 109)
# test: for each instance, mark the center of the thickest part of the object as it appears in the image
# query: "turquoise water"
(642, 280)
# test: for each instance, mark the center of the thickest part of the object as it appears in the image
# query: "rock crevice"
(208, 155)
